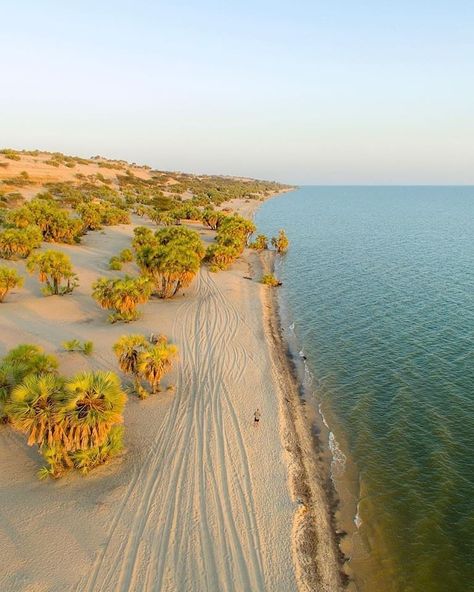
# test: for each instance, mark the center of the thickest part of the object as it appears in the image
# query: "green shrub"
(281, 242)
(122, 295)
(170, 258)
(10, 154)
(22, 180)
(19, 242)
(126, 256)
(55, 270)
(52, 162)
(72, 345)
(260, 243)
(86, 347)
(115, 264)
(9, 279)
(270, 280)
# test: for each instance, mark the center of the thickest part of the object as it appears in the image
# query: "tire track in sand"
(187, 521)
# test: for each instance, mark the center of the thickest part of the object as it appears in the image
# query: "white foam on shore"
(338, 458)
(338, 463)
(308, 377)
(320, 410)
(357, 518)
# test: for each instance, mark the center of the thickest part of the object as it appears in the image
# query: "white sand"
(200, 500)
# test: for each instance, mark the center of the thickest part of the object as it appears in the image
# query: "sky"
(321, 92)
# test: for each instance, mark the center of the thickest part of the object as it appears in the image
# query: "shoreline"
(226, 516)
(200, 500)
(317, 557)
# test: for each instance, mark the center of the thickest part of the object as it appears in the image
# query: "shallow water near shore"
(379, 284)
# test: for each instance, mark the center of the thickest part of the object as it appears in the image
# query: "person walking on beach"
(256, 417)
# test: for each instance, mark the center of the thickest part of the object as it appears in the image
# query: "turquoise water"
(379, 282)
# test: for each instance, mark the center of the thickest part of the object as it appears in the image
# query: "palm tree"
(9, 377)
(69, 420)
(236, 226)
(122, 295)
(128, 350)
(95, 403)
(212, 218)
(36, 408)
(155, 361)
(22, 361)
(142, 236)
(260, 243)
(19, 242)
(55, 223)
(28, 358)
(221, 256)
(172, 259)
(20, 217)
(86, 459)
(53, 268)
(9, 279)
(232, 236)
(281, 242)
(90, 215)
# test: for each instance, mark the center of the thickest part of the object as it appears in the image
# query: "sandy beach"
(202, 500)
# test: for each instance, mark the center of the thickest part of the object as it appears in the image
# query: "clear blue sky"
(306, 92)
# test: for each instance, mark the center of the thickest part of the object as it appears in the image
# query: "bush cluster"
(54, 223)
(170, 257)
(74, 422)
(94, 215)
(10, 154)
(85, 347)
(9, 279)
(116, 262)
(145, 359)
(232, 237)
(18, 243)
(22, 180)
(122, 296)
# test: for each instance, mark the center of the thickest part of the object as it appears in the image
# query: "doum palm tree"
(122, 295)
(36, 408)
(156, 361)
(95, 403)
(74, 423)
(127, 350)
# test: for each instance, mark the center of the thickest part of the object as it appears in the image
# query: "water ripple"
(380, 282)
